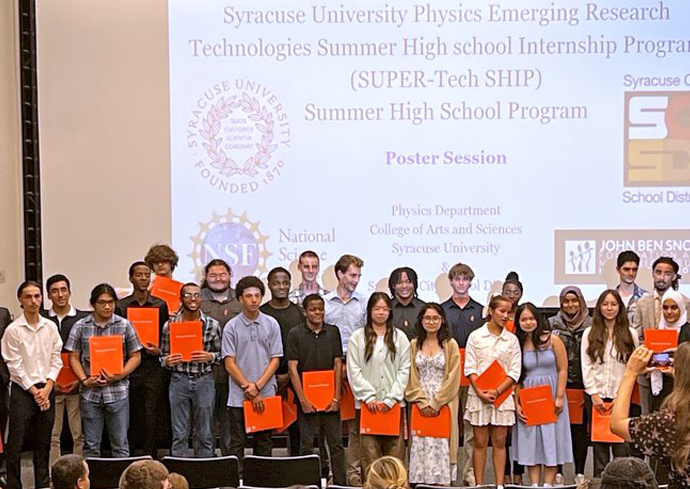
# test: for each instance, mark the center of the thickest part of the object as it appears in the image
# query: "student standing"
(491, 342)
(434, 383)
(378, 368)
(606, 347)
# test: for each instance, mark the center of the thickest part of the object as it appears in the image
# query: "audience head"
(512, 288)
(403, 284)
(460, 276)
(313, 306)
(675, 314)
(140, 276)
(665, 273)
(348, 271)
(145, 474)
(308, 266)
(610, 309)
(627, 264)
(178, 481)
(250, 291)
(628, 472)
(190, 297)
(499, 310)
(103, 300)
(279, 280)
(573, 310)
(70, 472)
(217, 276)
(162, 259)
(59, 290)
(386, 473)
(432, 319)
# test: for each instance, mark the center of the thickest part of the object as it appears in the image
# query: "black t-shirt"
(287, 318)
(314, 351)
(463, 320)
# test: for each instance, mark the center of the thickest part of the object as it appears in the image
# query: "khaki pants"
(466, 472)
(374, 447)
(71, 403)
(352, 453)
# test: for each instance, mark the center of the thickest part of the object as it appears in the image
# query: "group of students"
(391, 351)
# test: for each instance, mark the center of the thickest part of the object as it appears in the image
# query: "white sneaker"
(558, 481)
(581, 480)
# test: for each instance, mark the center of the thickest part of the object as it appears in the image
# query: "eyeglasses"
(432, 319)
(190, 295)
(382, 309)
(105, 303)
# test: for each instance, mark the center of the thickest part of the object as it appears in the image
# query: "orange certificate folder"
(106, 354)
(185, 338)
(464, 381)
(537, 405)
(491, 379)
(289, 411)
(576, 405)
(601, 427)
(380, 423)
(168, 290)
(347, 403)
(66, 375)
(319, 388)
(270, 419)
(145, 321)
(659, 340)
(432, 426)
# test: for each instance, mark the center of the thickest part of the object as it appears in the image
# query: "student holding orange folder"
(378, 368)
(316, 348)
(434, 385)
(606, 347)
(104, 395)
(544, 364)
(192, 388)
(492, 342)
(251, 349)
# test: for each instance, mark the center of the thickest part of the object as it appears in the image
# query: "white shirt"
(347, 316)
(483, 348)
(382, 378)
(603, 378)
(32, 354)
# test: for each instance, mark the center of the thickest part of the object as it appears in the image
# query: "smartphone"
(664, 359)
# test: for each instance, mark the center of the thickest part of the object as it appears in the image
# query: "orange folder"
(319, 388)
(289, 411)
(168, 290)
(380, 423)
(347, 403)
(659, 340)
(186, 338)
(491, 378)
(66, 375)
(270, 419)
(601, 427)
(576, 405)
(432, 426)
(145, 321)
(510, 325)
(464, 381)
(537, 405)
(106, 354)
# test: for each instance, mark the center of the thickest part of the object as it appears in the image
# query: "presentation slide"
(535, 136)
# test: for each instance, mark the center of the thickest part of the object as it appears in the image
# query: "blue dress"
(547, 444)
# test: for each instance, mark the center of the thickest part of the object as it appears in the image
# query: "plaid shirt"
(297, 295)
(638, 292)
(211, 335)
(79, 341)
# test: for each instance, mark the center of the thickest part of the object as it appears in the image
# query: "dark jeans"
(262, 443)
(311, 425)
(27, 419)
(146, 403)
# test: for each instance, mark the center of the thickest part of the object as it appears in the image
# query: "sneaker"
(470, 480)
(558, 481)
(581, 480)
(517, 480)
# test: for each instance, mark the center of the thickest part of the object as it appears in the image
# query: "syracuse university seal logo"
(239, 134)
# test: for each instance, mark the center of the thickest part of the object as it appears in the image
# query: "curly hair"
(161, 253)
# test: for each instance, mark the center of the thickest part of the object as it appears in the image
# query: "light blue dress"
(547, 444)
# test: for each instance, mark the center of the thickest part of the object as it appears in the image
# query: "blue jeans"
(197, 394)
(116, 418)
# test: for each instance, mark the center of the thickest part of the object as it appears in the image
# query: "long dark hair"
(598, 335)
(537, 335)
(370, 334)
(677, 402)
(443, 332)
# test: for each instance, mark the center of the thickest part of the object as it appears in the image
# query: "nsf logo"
(580, 257)
(657, 139)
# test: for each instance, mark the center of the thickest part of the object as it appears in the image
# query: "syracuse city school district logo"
(240, 133)
(657, 139)
(580, 257)
(233, 238)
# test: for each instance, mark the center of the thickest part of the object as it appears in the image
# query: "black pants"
(26, 420)
(262, 443)
(579, 436)
(311, 425)
(222, 418)
(146, 404)
(601, 452)
(294, 447)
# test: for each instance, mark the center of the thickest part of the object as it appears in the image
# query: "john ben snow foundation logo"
(239, 134)
(233, 238)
